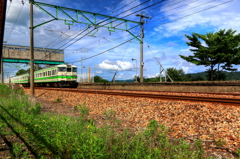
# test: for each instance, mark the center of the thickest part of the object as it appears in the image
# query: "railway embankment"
(203, 86)
(216, 125)
(29, 129)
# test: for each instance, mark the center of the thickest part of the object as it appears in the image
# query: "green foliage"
(175, 74)
(138, 78)
(58, 99)
(222, 50)
(98, 79)
(238, 153)
(22, 71)
(220, 76)
(59, 136)
(83, 110)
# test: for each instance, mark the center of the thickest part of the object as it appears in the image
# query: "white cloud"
(220, 17)
(116, 65)
(99, 72)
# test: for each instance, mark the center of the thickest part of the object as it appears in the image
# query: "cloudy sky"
(164, 38)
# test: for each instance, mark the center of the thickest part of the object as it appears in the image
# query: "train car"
(57, 76)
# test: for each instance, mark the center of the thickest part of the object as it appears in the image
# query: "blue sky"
(164, 33)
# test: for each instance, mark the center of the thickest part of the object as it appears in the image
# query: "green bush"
(59, 136)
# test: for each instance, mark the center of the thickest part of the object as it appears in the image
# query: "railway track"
(226, 101)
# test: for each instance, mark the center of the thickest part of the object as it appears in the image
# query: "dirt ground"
(218, 126)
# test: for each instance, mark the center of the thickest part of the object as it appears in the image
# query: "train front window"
(61, 69)
(74, 69)
(69, 69)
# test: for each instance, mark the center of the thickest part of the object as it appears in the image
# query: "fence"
(85, 77)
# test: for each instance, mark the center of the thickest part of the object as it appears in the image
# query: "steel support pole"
(3, 5)
(141, 44)
(160, 74)
(141, 51)
(31, 52)
(2, 76)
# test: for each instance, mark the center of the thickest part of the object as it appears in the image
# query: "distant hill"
(230, 75)
(125, 81)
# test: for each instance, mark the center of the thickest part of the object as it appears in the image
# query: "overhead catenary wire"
(74, 37)
(123, 6)
(100, 23)
(177, 6)
(160, 64)
(116, 20)
(107, 50)
(121, 60)
(74, 26)
(139, 11)
(186, 9)
(104, 43)
(130, 2)
(166, 6)
(148, 6)
(16, 20)
(103, 51)
(188, 15)
(110, 14)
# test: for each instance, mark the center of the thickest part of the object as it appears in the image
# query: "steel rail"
(155, 96)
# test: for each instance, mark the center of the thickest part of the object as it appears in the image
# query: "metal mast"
(3, 4)
(142, 16)
(31, 51)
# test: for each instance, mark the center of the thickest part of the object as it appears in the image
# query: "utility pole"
(81, 71)
(3, 5)
(31, 51)
(142, 16)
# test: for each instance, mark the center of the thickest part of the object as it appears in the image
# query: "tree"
(175, 74)
(222, 50)
(22, 71)
(98, 79)
(216, 75)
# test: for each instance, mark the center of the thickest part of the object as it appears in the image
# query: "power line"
(105, 43)
(98, 24)
(116, 20)
(185, 10)
(123, 6)
(121, 60)
(110, 6)
(16, 20)
(169, 5)
(103, 51)
(74, 26)
(160, 65)
(191, 14)
(139, 11)
(110, 14)
(177, 6)
(77, 39)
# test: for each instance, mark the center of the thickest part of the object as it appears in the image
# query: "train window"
(74, 69)
(62, 69)
(43, 74)
(69, 70)
(49, 73)
(53, 73)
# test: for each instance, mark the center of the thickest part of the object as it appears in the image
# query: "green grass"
(58, 136)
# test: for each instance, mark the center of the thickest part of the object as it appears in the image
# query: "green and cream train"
(57, 76)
